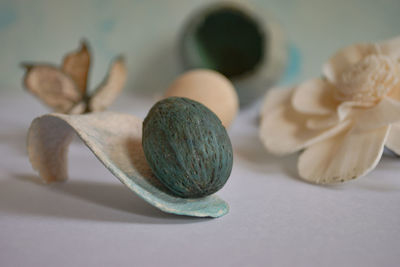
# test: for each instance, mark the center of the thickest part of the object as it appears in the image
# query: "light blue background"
(146, 33)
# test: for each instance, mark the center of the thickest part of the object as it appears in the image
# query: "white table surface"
(275, 219)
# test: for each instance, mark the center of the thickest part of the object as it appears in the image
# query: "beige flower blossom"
(343, 120)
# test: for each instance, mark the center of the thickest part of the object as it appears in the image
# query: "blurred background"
(146, 32)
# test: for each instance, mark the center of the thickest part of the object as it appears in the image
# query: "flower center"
(369, 80)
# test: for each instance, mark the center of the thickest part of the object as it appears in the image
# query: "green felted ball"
(187, 147)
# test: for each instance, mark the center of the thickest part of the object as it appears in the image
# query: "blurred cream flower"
(343, 120)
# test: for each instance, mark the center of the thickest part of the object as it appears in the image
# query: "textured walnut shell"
(187, 147)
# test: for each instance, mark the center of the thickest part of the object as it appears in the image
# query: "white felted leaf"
(284, 131)
(343, 157)
(343, 59)
(315, 97)
(116, 140)
(387, 111)
(393, 141)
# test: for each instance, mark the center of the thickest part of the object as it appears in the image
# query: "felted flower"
(343, 120)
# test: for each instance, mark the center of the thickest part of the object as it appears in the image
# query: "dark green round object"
(187, 147)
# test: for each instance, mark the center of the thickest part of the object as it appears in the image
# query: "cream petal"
(322, 123)
(395, 93)
(314, 97)
(344, 157)
(393, 141)
(284, 131)
(346, 57)
(387, 111)
(344, 111)
(391, 48)
(275, 98)
(116, 140)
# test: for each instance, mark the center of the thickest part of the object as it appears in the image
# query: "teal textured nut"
(187, 147)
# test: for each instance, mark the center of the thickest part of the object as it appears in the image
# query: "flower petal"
(275, 98)
(284, 131)
(322, 123)
(387, 111)
(54, 87)
(314, 97)
(110, 88)
(116, 140)
(395, 93)
(346, 156)
(391, 48)
(393, 141)
(346, 57)
(76, 64)
(344, 111)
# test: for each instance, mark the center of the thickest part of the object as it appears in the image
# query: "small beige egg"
(211, 89)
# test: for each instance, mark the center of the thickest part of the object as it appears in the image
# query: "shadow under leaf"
(97, 201)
